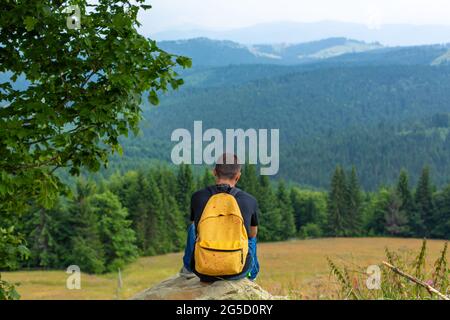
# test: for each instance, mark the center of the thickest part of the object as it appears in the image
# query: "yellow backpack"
(221, 247)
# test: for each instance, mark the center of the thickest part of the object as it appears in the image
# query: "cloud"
(229, 14)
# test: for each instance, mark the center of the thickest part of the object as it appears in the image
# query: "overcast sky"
(228, 14)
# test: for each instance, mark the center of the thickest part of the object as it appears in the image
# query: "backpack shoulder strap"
(234, 191)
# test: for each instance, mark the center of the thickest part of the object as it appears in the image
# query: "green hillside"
(379, 118)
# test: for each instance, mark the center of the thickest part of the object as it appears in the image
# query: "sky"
(231, 14)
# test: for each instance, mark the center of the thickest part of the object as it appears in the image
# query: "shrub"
(310, 230)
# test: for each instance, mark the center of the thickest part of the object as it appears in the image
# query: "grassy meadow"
(296, 268)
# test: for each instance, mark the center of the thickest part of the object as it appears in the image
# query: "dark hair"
(227, 166)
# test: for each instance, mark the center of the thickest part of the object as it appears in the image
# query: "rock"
(182, 288)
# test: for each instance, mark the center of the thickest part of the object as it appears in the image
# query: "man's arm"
(192, 218)
(254, 222)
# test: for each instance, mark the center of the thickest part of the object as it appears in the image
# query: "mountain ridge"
(209, 52)
(295, 32)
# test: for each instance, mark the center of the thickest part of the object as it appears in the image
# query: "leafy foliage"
(79, 97)
(83, 94)
(12, 250)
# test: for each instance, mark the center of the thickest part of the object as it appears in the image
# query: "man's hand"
(253, 232)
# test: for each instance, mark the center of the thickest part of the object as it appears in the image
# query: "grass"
(296, 268)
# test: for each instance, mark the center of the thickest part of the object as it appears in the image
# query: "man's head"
(227, 169)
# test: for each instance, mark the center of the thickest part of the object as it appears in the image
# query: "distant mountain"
(415, 55)
(295, 32)
(209, 52)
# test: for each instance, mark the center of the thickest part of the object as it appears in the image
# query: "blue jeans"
(189, 251)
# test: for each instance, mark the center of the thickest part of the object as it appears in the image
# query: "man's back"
(221, 229)
(247, 204)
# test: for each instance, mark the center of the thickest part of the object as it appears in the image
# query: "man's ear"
(214, 172)
(238, 176)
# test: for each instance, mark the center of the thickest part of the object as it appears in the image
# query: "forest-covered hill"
(379, 118)
(381, 109)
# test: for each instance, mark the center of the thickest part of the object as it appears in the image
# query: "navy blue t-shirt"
(247, 203)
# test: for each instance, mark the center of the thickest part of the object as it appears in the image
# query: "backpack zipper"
(234, 250)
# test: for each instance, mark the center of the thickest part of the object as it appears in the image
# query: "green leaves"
(12, 248)
(86, 91)
(175, 83)
(121, 21)
(153, 98)
(82, 97)
(29, 23)
(184, 62)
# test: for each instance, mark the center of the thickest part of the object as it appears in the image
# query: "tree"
(172, 223)
(42, 229)
(406, 198)
(185, 189)
(309, 211)
(87, 90)
(422, 222)
(154, 219)
(78, 98)
(207, 179)
(396, 221)
(304, 210)
(114, 230)
(12, 250)
(354, 205)
(270, 219)
(139, 214)
(442, 228)
(249, 179)
(86, 247)
(337, 204)
(287, 213)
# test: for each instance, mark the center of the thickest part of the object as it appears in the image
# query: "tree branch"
(415, 280)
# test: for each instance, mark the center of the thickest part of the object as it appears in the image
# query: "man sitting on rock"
(221, 242)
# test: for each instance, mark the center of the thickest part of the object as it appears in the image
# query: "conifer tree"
(87, 250)
(138, 213)
(442, 228)
(354, 215)
(337, 204)
(270, 219)
(287, 213)
(198, 182)
(423, 220)
(407, 202)
(207, 179)
(155, 220)
(185, 189)
(173, 223)
(42, 229)
(249, 179)
(396, 221)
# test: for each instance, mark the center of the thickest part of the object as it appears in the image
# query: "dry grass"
(296, 268)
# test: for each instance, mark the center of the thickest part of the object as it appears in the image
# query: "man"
(227, 173)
